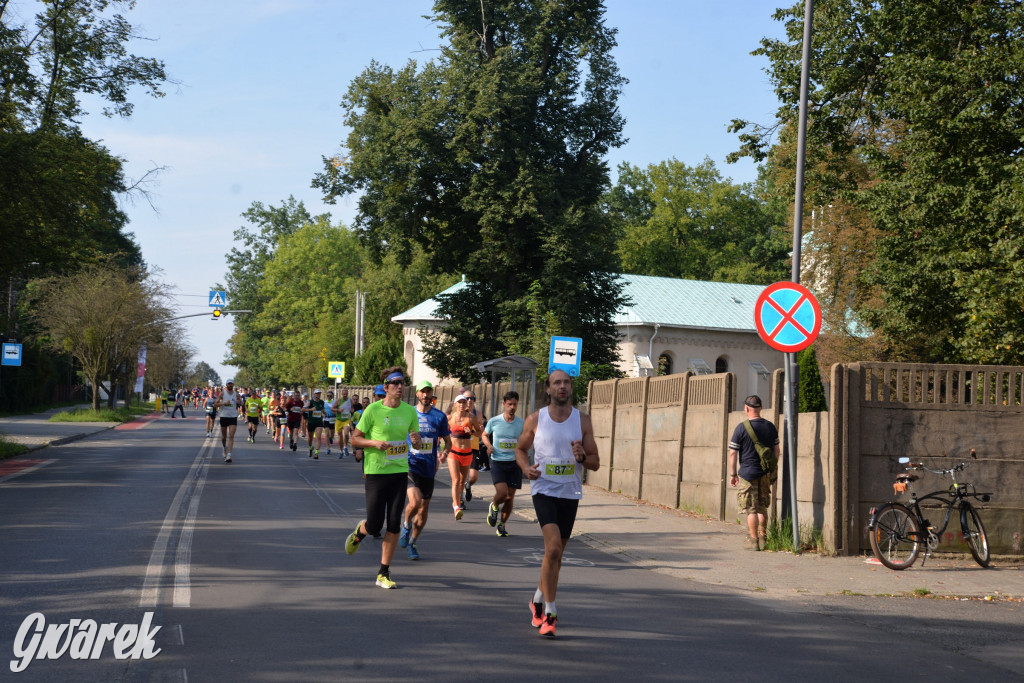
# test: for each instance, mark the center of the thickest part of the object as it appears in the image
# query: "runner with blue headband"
(385, 432)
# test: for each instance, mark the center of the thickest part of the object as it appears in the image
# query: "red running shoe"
(537, 612)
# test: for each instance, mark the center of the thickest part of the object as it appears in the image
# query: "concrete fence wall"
(665, 440)
(933, 414)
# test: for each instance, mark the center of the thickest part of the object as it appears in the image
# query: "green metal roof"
(688, 303)
(663, 300)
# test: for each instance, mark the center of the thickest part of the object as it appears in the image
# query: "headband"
(395, 375)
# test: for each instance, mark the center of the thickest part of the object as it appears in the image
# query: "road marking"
(15, 467)
(155, 569)
(183, 554)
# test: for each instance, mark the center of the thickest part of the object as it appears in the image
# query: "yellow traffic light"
(217, 313)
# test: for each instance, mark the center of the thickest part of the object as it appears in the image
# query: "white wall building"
(674, 324)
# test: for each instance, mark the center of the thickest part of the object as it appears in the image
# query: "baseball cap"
(317, 391)
(460, 397)
(230, 381)
(423, 384)
(379, 390)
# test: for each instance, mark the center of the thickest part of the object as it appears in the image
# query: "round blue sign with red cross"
(788, 317)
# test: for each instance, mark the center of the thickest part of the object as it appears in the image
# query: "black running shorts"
(424, 484)
(385, 500)
(560, 511)
(505, 472)
(228, 421)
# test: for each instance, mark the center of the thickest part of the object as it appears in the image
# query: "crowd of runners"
(400, 448)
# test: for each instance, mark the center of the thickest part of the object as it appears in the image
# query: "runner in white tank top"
(228, 402)
(563, 443)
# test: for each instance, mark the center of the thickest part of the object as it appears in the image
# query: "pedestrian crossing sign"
(218, 298)
(335, 369)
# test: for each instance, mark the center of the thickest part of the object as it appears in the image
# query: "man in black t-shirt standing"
(754, 492)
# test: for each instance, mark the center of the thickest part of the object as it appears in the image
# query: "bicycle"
(898, 531)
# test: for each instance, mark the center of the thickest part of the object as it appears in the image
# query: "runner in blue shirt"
(423, 463)
(500, 437)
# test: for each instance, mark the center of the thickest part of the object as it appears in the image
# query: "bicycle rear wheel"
(974, 534)
(895, 540)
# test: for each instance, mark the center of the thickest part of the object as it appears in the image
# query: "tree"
(201, 374)
(678, 221)
(304, 309)
(101, 315)
(268, 225)
(167, 361)
(491, 159)
(927, 95)
(811, 392)
(58, 190)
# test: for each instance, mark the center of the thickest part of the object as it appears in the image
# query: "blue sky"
(258, 105)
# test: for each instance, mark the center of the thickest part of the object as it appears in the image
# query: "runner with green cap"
(423, 463)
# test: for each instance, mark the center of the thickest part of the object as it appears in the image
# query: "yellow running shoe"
(385, 581)
(352, 542)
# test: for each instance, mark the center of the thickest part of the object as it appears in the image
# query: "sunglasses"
(396, 382)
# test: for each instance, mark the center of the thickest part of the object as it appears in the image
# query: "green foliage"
(268, 225)
(202, 374)
(678, 221)
(300, 321)
(59, 191)
(812, 393)
(491, 160)
(927, 96)
(101, 315)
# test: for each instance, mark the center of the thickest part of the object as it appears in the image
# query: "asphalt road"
(243, 567)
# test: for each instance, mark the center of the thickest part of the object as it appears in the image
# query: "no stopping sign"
(788, 317)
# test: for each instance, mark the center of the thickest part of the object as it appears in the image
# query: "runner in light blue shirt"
(500, 437)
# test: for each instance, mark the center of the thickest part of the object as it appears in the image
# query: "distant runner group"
(401, 447)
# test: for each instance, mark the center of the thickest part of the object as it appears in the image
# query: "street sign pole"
(792, 382)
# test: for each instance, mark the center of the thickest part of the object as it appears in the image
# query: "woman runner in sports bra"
(464, 425)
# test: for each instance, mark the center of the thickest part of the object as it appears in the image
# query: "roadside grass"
(780, 538)
(9, 449)
(105, 414)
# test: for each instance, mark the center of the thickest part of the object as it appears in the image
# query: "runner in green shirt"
(382, 432)
(253, 408)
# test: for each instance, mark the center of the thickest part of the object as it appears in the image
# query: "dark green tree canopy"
(927, 95)
(492, 159)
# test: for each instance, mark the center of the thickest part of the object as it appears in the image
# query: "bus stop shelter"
(519, 368)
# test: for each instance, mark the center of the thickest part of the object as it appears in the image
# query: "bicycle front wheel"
(895, 540)
(974, 533)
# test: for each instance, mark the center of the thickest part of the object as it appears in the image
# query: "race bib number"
(396, 450)
(296, 409)
(566, 470)
(345, 416)
(426, 446)
(317, 414)
(507, 445)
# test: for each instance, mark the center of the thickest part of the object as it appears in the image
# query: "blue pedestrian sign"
(218, 299)
(565, 355)
(12, 354)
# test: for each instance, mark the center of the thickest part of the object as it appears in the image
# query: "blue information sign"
(565, 355)
(218, 299)
(12, 354)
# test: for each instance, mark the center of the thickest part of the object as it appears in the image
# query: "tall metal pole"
(792, 380)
